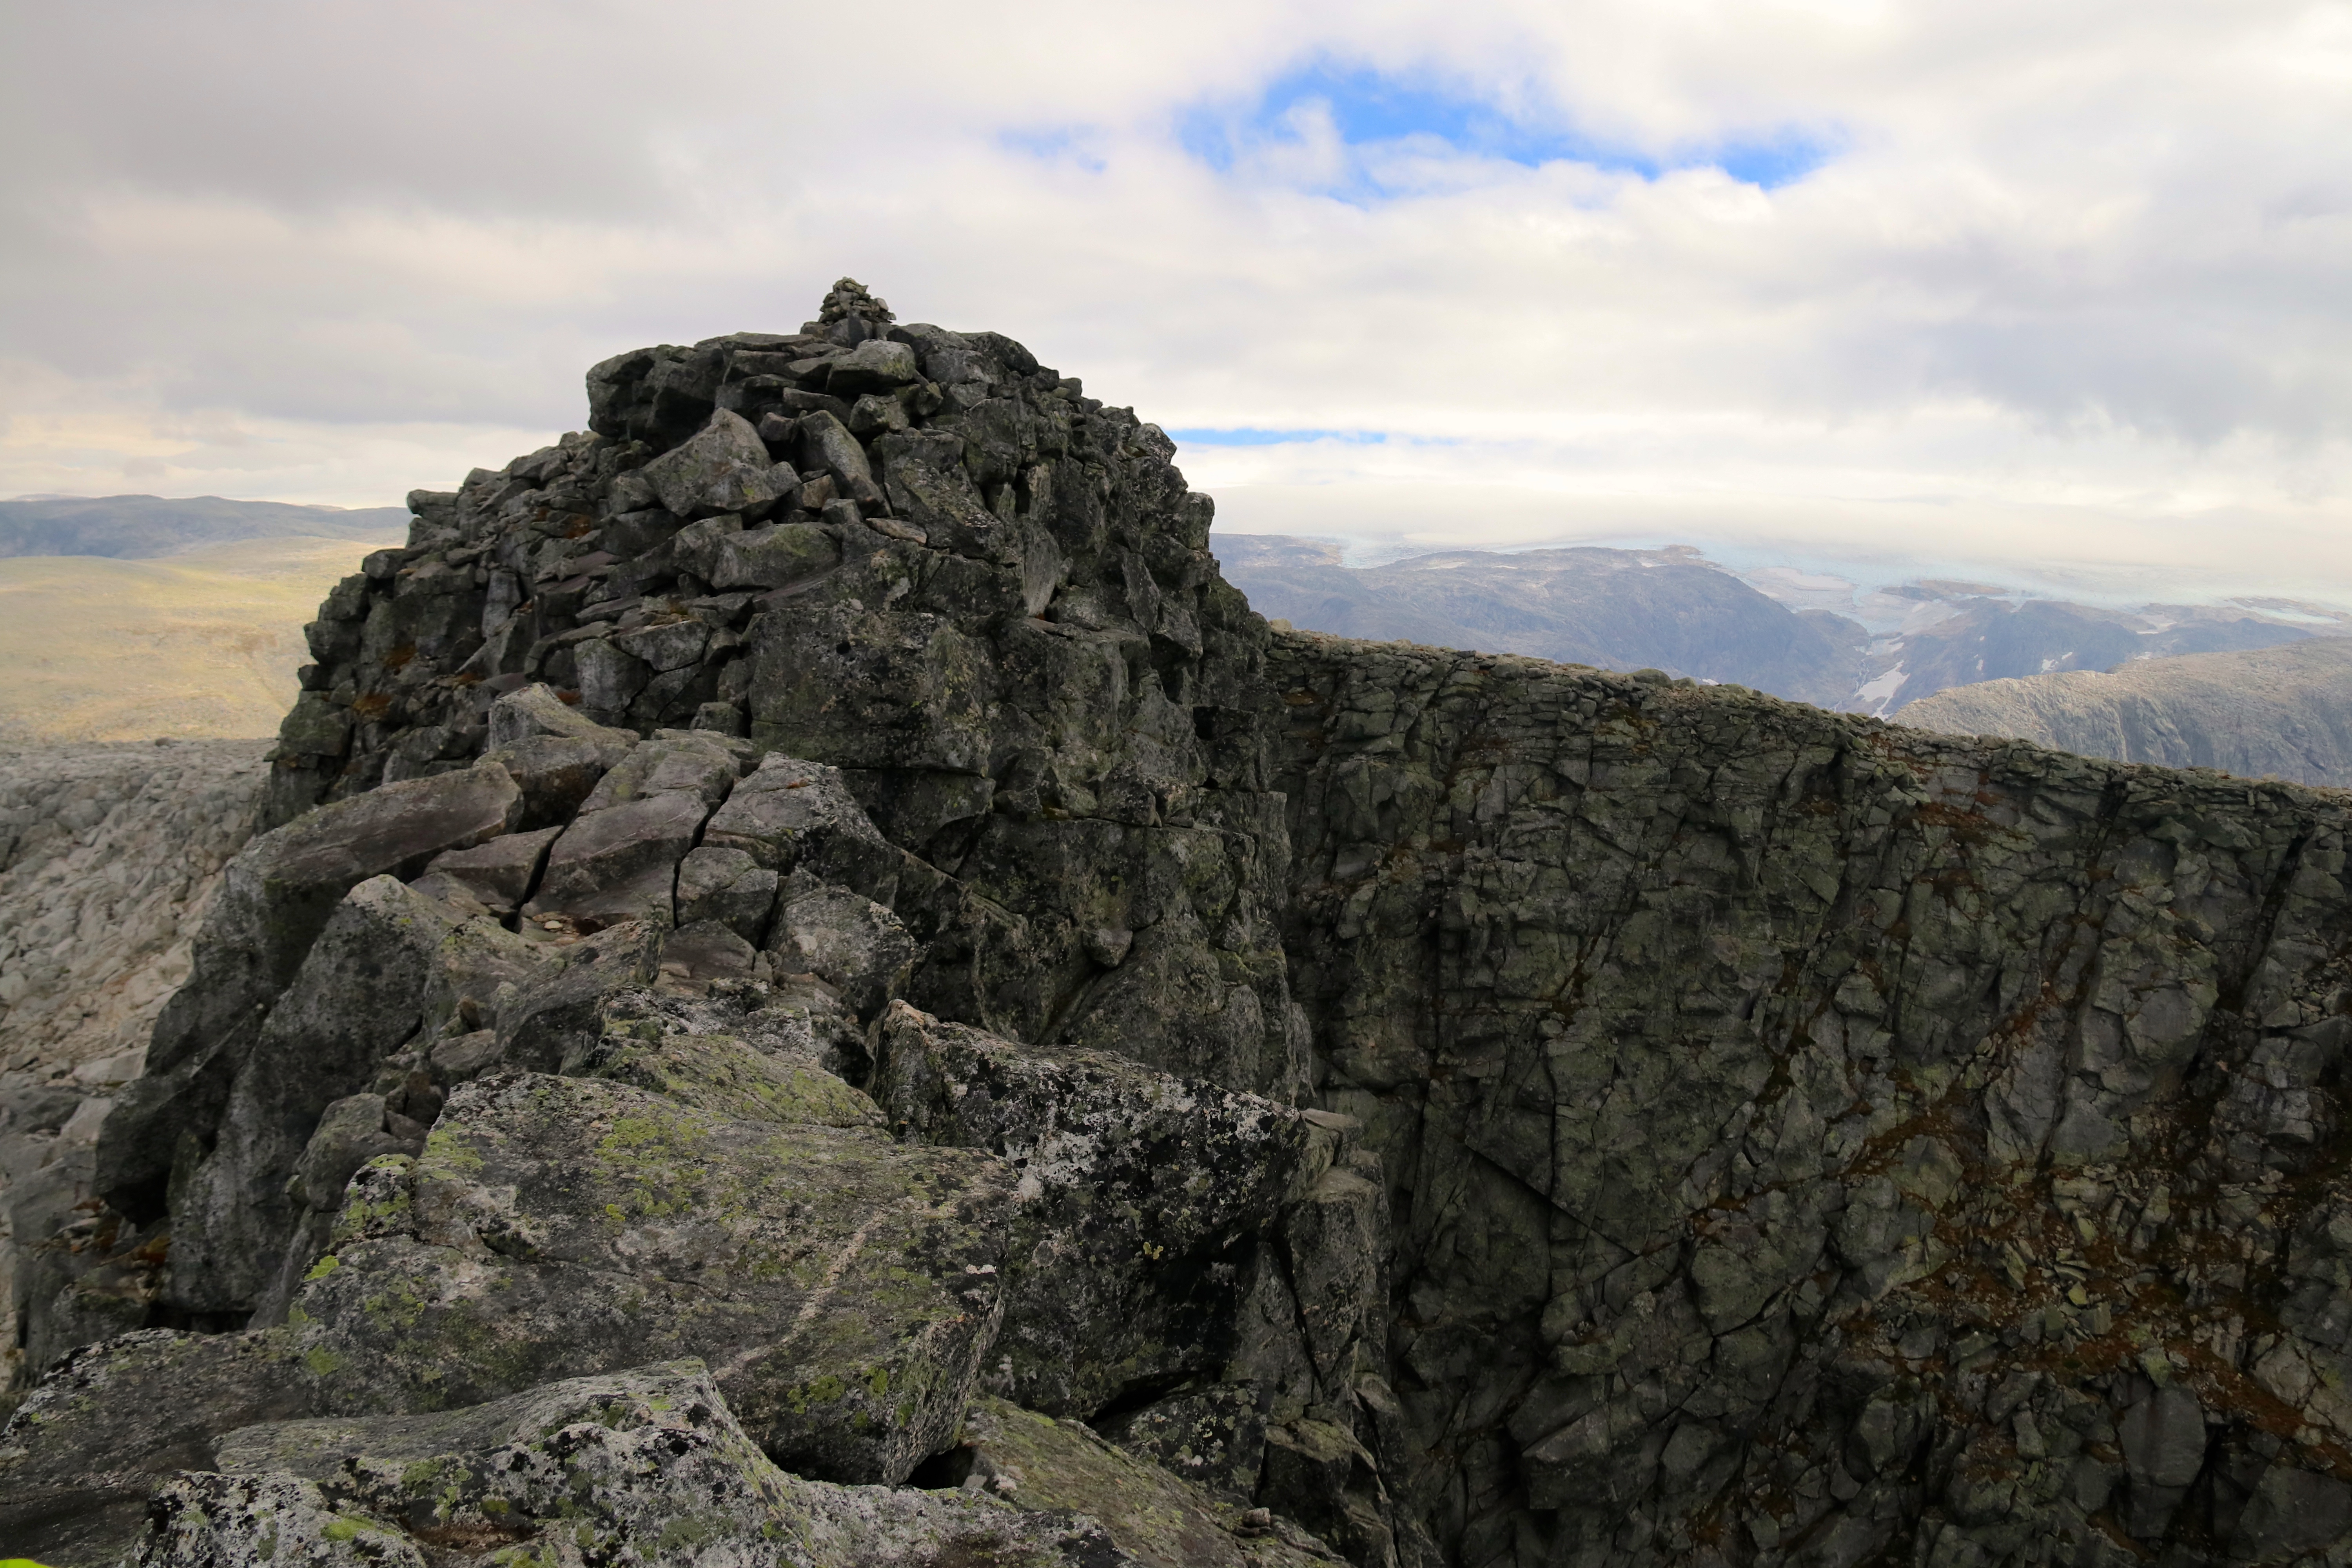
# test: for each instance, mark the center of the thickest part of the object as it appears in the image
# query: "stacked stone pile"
(820, 991)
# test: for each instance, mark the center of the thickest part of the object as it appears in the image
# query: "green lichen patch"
(843, 1286)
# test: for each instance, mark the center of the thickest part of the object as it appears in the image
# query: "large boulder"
(555, 753)
(1038, 1463)
(361, 994)
(795, 816)
(843, 1288)
(724, 468)
(80, 1457)
(618, 859)
(726, 1074)
(1156, 1213)
(276, 897)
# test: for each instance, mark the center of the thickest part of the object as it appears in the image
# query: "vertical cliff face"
(1813, 1142)
(809, 942)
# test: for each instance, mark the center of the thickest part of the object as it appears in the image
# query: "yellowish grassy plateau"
(201, 646)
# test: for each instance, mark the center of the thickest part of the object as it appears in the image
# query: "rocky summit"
(812, 986)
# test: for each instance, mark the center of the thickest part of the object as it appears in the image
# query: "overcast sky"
(1987, 283)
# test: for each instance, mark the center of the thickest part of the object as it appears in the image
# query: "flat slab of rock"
(620, 863)
(675, 761)
(843, 1287)
(496, 875)
(277, 893)
(635, 1467)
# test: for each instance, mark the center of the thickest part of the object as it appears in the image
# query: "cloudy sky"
(2064, 291)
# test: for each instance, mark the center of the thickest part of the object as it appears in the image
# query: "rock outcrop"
(821, 990)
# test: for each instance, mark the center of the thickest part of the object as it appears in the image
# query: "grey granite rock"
(1151, 1208)
(642, 1466)
(81, 1455)
(1037, 1463)
(497, 876)
(724, 468)
(109, 857)
(843, 1289)
(1798, 1128)
(855, 945)
(1476, 1111)
(726, 885)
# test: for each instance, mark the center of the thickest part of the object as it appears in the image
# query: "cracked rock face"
(1812, 1141)
(818, 989)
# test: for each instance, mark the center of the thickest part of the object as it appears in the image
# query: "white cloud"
(2068, 286)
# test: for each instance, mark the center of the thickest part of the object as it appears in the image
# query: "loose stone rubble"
(820, 990)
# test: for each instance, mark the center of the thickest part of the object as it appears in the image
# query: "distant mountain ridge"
(2276, 713)
(1776, 630)
(1616, 609)
(129, 528)
(1959, 635)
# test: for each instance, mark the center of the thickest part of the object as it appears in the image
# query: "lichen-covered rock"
(360, 996)
(855, 945)
(724, 468)
(1038, 1463)
(546, 1018)
(1214, 1436)
(1813, 1140)
(727, 1075)
(843, 1287)
(204, 1520)
(276, 898)
(794, 815)
(1151, 1208)
(80, 1457)
(642, 1466)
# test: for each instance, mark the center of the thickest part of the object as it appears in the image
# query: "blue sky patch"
(1251, 436)
(1373, 111)
(1055, 145)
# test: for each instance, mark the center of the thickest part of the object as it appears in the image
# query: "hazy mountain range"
(1808, 637)
(128, 616)
(146, 527)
